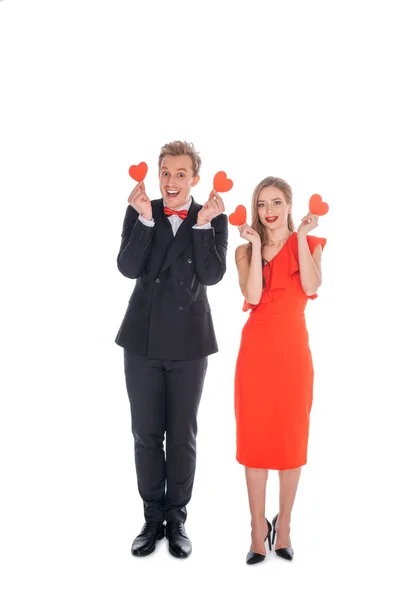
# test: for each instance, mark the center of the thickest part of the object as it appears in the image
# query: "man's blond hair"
(180, 149)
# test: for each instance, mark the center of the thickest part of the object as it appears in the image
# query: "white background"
(302, 90)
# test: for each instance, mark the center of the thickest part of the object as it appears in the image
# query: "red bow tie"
(181, 213)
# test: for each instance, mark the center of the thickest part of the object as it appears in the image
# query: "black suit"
(167, 334)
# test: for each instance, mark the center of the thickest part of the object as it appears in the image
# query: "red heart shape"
(222, 183)
(138, 172)
(316, 206)
(239, 216)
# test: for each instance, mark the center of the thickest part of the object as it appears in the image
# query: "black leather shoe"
(145, 542)
(254, 557)
(286, 553)
(179, 544)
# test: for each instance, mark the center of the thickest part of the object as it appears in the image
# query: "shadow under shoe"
(286, 553)
(253, 558)
(179, 544)
(145, 542)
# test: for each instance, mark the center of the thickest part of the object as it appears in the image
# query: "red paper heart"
(138, 172)
(239, 216)
(316, 206)
(222, 183)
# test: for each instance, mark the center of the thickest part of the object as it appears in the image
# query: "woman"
(279, 270)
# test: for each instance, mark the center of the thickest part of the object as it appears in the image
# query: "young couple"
(175, 248)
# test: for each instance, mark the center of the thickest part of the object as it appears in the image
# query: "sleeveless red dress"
(274, 370)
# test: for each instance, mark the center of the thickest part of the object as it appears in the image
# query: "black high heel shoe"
(286, 553)
(254, 557)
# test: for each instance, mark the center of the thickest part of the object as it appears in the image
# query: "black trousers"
(164, 396)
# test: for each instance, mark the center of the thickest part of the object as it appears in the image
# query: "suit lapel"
(183, 236)
(164, 229)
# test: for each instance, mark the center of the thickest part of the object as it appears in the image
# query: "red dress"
(274, 370)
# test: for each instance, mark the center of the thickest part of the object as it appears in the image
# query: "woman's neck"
(277, 235)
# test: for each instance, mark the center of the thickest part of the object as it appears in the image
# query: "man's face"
(176, 180)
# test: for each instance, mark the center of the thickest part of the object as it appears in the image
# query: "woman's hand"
(141, 202)
(211, 209)
(249, 234)
(308, 223)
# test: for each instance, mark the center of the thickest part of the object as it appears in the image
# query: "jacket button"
(189, 260)
(181, 308)
(181, 283)
(157, 280)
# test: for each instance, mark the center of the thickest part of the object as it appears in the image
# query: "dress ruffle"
(283, 266)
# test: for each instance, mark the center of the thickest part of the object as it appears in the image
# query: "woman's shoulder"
(241, 251)
(314, 241)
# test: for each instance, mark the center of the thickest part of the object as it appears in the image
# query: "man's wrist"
(147, 216)
(202, 221)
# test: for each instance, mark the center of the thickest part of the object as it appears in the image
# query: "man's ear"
(195, 180)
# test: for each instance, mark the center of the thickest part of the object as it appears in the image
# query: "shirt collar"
(185, 207)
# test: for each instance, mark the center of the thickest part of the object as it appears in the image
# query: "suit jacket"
(168, 315)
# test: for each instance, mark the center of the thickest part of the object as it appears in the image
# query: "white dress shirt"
(175, 220)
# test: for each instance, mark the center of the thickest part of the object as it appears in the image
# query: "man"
(174, 247)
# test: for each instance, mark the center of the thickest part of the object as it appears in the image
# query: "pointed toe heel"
(286, 553)
(253, 558)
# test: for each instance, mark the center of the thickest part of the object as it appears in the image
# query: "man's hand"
(140, 201)
(211, 209)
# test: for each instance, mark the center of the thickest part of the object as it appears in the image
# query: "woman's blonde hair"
(179, 149)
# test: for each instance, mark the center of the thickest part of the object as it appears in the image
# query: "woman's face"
(273, 210)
